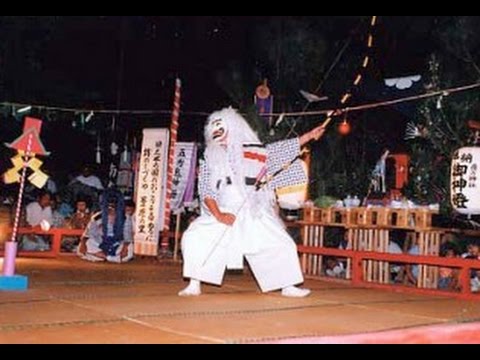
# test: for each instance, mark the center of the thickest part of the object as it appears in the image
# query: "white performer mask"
(218, 131)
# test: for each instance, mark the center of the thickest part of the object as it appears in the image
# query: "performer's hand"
(315, 134)
(227, 219)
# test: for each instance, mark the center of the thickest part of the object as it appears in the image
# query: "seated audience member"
(87, 185)
(58, 220)
(396, 270)
(81, 216)
(39, 216)
(473, 253)
(335, 268)
(78, 221)
(412, 270)
(448, 277)
(89, 179)
(109, 234)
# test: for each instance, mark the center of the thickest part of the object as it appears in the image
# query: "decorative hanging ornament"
(263, 91)
(89, 117)
(440, 103)
(345, 128)
(416, 131)
(82, 121)
(279, 121)
(28, 146)
(99, 152)
(114, 148)
(125, 150)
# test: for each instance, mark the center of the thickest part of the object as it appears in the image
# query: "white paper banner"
(151, 191)
(465, 184)
(184, 154)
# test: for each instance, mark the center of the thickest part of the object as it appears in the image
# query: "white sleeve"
(98, 184)
(204, 183)
(30, 215)
(280, 154)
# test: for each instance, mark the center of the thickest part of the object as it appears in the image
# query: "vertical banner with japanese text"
(184, 175)
(465, 184)
(151, 191)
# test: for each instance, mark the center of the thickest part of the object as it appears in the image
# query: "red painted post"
(464, 281)
(357, 269)
(57, 242)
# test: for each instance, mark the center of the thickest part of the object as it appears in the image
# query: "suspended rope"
(329, 112)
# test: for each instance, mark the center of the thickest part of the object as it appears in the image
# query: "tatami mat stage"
(70, 301)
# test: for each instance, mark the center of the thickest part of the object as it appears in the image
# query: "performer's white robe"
(209, 247)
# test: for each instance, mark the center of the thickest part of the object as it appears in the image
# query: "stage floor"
(70, 301)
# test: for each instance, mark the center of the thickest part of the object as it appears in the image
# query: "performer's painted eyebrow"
(215, 122)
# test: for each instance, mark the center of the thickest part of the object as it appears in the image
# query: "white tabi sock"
(194, 289)
(294, 292)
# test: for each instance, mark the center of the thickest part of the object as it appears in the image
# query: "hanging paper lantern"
(344, 128)
(465, 183)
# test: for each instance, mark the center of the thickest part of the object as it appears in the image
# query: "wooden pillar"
(177, 237)
(56, 242)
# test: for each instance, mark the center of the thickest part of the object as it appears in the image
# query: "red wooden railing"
(56, 235)
(358, 257)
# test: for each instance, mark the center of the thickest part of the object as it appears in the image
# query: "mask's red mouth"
(218, 134)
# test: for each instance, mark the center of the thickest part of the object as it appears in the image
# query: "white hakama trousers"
(209, 248)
